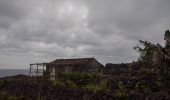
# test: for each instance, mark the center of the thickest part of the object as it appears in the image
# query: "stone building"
(72, 65)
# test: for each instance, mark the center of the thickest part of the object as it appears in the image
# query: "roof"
(77, 61)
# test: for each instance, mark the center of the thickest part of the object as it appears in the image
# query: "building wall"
(53, 70)
(53, 74)
(68, 68)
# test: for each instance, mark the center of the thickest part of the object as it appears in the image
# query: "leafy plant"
(155, 54)
(141, 86)
(101, 86)
(121, 91)
(71, 84)
(58, 83)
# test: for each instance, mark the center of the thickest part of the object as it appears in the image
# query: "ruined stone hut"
(71, 65)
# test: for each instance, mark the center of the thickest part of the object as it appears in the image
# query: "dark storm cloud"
(39, 30)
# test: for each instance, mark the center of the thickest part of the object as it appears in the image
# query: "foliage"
(58, 83)
(71, 84)
(101, 86)
(167, 39)
(155, 54)
(147, 71)
(1, 83)
(121, 91)
(77, 75)
(79, 78)
(7, 96)
(148, 50)
(167, 35)
(142, 86)
(13, 98)
(130, 67)
(166, 79)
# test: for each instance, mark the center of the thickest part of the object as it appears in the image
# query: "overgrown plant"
(101, 86)
(121, 91)
(155, 54)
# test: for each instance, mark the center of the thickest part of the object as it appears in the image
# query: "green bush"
(3, 93)
(165, 78)
(13, 98)
(121, 91)
(71, 84)
(101, 86)
(141, 86)
(58, 83)
(1, 83)
(76, 75)
(7, 96)
(147, 71)
(120, 94)
(80, 79)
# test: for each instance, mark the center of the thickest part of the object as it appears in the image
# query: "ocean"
(11, 72)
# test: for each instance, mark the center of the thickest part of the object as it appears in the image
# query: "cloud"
(42, 30)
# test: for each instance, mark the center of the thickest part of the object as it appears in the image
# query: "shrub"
(141, 86)
(1, 83)
(121, 91)
(147, 71)
(58, 83)
(13, 98)
(71, 84)
(166, 79)
(101, 86)
(121, 94)
(7, 96)
(80, 79)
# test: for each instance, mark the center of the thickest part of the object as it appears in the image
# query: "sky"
(34, 31)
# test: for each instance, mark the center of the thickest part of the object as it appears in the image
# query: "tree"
(155, 54)
(167, 39)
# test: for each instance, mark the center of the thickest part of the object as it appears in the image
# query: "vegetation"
(149, 77)
(101, 86)
(121, 91)
(155, 54)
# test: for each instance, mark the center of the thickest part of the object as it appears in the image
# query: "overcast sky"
(43, 30)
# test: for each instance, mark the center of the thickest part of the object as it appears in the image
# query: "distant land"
(11, 72)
